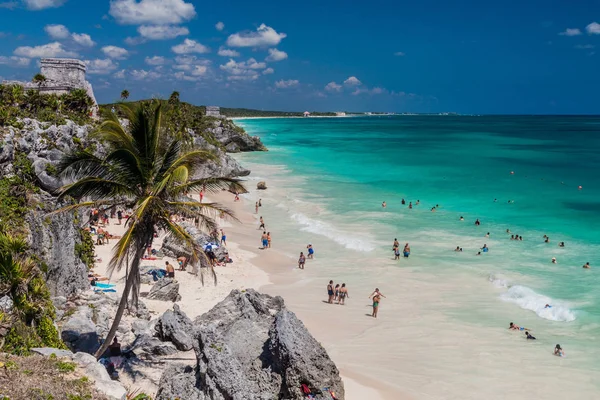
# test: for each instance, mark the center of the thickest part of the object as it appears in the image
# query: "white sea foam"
(528, 299)
(498, 282)
(348, 240)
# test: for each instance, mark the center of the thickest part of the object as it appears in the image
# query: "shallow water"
(328, 177)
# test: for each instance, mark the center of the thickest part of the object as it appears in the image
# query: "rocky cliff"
(249, 346)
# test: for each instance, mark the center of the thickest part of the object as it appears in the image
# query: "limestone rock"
(165, 289)
(151, 345)
(261, 185)
(176, 327)
(79, 332)
(47, 351)
(179, 381)
(250, 346)
(233, 138)
(53, 239)
(6, 304)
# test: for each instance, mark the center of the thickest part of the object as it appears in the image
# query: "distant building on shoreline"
(213, 111)
(306, 114)
(63, 75)
(340, 114)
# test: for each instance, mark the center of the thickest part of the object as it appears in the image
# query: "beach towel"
(105, 290)
(105, 285)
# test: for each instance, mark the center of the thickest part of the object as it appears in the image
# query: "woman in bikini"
(343, 293)
(301, 260)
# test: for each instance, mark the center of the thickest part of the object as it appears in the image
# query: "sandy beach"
(252, 268)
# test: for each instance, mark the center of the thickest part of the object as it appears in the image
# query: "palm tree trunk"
(133, 271)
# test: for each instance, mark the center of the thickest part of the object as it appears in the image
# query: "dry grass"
(42, 378)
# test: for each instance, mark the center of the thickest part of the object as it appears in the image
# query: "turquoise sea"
(520, 173)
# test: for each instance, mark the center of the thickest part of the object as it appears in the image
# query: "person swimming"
(515, 327)
(403, 201)
(553, 260)
(508, 231)
(461, 218)
(410, 205)
(561, 244)
(485, 248)
(547, 306)
(478, 253)
(487, 235)
(558, 351)
(529, 337)
(457, 248)
(512, 237)
(384, 205)
(587, 265)
(477, 222)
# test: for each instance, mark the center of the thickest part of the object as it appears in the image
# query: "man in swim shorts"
(223, 238)
(301, 260)
(265, 240)
(376, 295)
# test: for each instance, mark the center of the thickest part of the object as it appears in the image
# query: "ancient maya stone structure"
(213, 111)
(62, 76)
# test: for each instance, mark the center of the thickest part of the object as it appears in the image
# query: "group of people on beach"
(339, 293)
(558, 350)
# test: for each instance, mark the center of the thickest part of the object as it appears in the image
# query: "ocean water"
(327, 179)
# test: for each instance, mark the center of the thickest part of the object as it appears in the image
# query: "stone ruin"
(62, 76)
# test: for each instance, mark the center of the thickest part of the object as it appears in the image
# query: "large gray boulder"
(250, 346)
(79, 332)
(165, 289)
(174, 326)
(234, 138)
(144, 343)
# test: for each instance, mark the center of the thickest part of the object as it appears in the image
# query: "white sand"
(241, 274)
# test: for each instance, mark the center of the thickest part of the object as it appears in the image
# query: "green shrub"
(66, 366)
(85, 249)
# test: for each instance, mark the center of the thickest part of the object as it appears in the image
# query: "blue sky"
(508, 57)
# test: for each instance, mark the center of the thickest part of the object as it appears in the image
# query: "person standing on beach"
(170, 270)
(269, 238)
(343, 294)
(336, 292)
(330, 292)
(223, 238)
(376, 295)
(201, 195)
(301, 260)
(262, 223)
(396, 244)
(396, 253)
(256, 207)
(406, 250)
(119, 216)
(260, 202)
(265, 240)
(410, 205)
(311, 251)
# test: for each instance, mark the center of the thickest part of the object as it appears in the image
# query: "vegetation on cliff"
(16, 102)
(148, 169)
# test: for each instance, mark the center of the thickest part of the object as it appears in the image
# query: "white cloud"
(190, 46)
(57, 31)
(134, 41)
(15, 61)
(188, 63)
(53, 49)
(183, 67)
(83, 39)
(359, 91)
(570, 32)
(264, 36)
(220, 26)
(399, 54)
(276, 55)
(162, 32)
(156, 60)
(199, 70)
(228, 52)
(119, 74)
(333, 87)
(101, 67)
(42, 4)
(155, 12)
(352, 81)
(378, 90)
(247, 69)
(268, 71)
(115, 52)
(286, 84)
(253, 64)
(183, 77)
(242, 77)
(593, 28)
(141, 74)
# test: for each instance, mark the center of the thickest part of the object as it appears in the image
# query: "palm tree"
(148, 171)
(39, 79)
(174, 98)
(124, 94)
